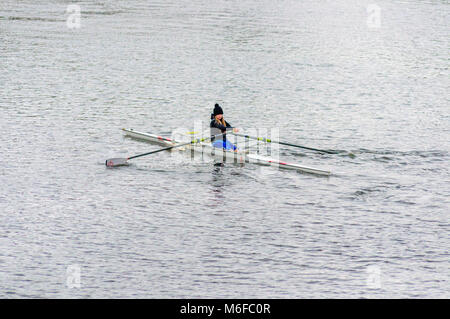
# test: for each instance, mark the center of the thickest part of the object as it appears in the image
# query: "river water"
(369, 78)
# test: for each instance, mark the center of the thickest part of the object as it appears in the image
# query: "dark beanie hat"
(217, 109)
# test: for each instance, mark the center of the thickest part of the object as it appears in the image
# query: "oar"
(267, 140)
(113, 162)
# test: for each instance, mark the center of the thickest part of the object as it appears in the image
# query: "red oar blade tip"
(114, 162)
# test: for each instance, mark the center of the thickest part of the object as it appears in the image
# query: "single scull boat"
(240, 156)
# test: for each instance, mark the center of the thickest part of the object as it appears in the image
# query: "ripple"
(167, 226)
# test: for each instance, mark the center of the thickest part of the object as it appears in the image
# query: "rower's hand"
(235, 130)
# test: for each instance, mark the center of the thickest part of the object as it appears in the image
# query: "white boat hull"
(224, 155)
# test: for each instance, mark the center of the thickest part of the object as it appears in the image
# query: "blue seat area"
(224, 144)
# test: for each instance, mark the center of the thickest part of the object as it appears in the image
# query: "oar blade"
(114, 162)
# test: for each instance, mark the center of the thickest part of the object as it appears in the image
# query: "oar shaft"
(267, 140)
(194, 141)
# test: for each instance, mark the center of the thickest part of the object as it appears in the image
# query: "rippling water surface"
(171, 227)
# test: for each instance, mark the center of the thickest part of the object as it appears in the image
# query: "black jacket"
(217, 128)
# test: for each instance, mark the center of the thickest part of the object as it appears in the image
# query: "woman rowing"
(220, 126)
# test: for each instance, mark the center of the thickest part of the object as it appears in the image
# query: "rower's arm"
(221, 127)
(234, 129)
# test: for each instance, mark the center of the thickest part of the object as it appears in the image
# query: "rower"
(219, 125)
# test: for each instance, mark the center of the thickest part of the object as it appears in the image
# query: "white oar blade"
(114, 162)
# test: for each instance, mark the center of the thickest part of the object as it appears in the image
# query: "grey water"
(370, 78)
